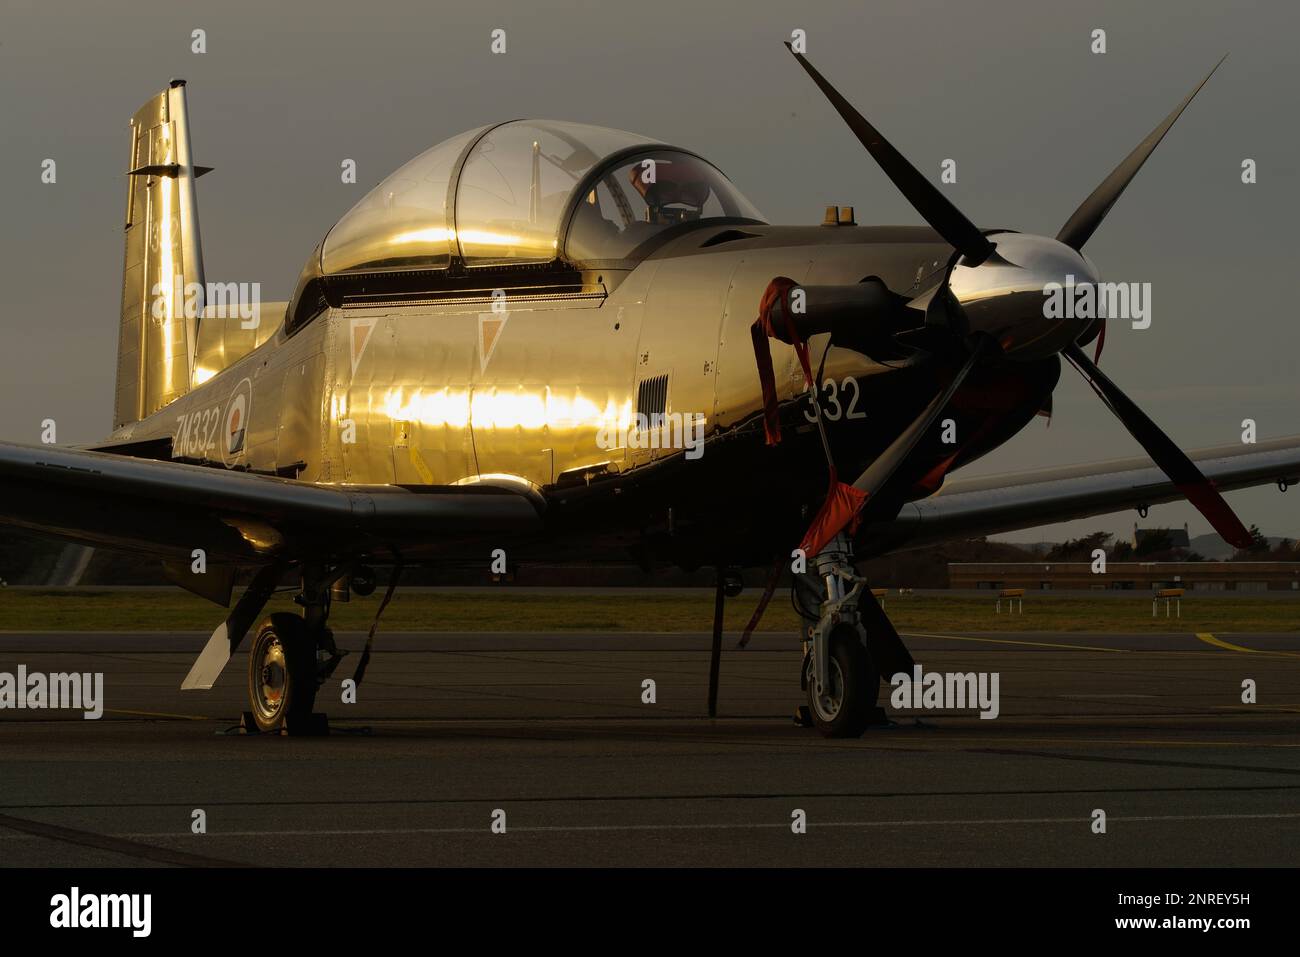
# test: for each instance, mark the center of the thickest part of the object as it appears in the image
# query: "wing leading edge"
(170, 509)
(1003, 503)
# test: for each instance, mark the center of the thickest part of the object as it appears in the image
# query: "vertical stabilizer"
(162, 275)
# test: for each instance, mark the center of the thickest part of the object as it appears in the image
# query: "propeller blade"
(1085, 220)
(874, 477)
(1181, 470)
(1045, 410)
(844, 503)
(946, 219)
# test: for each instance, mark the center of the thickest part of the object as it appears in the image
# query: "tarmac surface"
(550, 729)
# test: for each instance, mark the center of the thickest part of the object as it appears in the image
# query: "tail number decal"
(831, 405)
(196, 432)
(217, 431)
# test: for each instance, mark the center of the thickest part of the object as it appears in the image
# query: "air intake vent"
(652, 396)
(727, 236)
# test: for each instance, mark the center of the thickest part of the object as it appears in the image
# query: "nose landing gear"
(843, 654)
(844, 705)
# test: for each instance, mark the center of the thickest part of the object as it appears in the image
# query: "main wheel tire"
(844, 709)
(282, 674)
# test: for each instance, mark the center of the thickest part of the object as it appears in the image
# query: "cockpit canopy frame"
(528, 193)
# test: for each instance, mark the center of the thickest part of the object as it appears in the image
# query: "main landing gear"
(282, 675)
(291, 657)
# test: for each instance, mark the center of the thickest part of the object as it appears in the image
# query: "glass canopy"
(510, 202)
(402, 223)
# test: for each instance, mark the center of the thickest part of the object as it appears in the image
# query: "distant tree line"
(28, 559)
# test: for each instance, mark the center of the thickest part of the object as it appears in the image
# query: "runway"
(551, 730)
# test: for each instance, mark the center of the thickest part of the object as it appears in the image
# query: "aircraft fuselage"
(544, 391)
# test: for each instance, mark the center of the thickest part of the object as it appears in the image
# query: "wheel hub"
(830, 698)
(273, 677)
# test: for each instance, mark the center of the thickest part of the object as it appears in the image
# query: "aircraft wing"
(1002, 503)
(169, 509)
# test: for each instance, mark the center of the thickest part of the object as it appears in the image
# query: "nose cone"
(1011, 295)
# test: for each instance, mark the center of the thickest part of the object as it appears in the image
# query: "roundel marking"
(235, 431)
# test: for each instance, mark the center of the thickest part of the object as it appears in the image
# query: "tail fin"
(162, 277)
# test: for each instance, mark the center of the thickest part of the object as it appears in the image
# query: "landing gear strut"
(842, 680)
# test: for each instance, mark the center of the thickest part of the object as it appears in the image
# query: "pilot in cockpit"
(643, 197)
(673, 191)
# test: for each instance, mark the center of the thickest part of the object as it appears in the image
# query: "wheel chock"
(317, 726)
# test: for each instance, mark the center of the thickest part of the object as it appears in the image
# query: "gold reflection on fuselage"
(496, 408)
(443, 407)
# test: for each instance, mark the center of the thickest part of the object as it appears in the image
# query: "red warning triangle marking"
(361, 329)
(490, 326)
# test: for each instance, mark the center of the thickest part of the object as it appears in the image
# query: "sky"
(1010, 89)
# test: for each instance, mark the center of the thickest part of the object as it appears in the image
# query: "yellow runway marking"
(158, 714)
(1229, 646)
(1220, 643)
(1008, 641)
(1160, 652)
(1250, 709)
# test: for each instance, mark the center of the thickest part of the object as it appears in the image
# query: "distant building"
(1178, 537)
(1140, 576)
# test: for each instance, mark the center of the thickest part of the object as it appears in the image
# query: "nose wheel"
(844, 704)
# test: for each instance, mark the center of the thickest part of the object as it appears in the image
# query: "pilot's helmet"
(674, 191)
